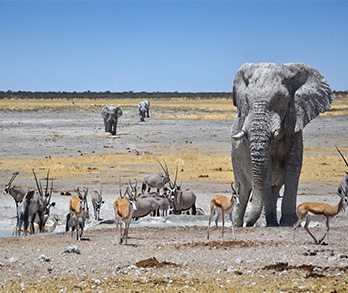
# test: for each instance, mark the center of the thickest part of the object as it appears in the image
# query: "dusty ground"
(163, 253)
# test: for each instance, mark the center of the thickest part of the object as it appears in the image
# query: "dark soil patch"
(154, 263)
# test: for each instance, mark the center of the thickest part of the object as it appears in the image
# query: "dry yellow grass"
(210, 109)
(193, 166)
(176, 104)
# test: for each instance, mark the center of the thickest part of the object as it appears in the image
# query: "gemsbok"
(181, 200)
(35, 207)
(78, 208)
(97, 201)
(156, 180)
(316, 211)
(124, 207)
(222, 205)
(154, 202)
(16, 192)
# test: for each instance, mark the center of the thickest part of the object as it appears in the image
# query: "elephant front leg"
(292, 176)
(257, 205)
(114, 128)
(240, 209)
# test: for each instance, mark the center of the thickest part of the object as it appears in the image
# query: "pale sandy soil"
(163, 253)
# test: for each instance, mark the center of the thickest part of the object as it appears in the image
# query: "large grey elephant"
(111, 115)
(274, 102)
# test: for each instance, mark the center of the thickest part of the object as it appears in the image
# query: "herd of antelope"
(33, 208)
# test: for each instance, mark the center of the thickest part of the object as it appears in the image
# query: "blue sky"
(193, 46)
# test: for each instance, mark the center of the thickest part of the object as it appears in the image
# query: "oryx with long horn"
(156, 180)
(181, 200)
(35, 205)
(47, 204)
(343, 185)
(16, 192)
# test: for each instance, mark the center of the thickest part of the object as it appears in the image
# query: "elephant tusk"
(239, 135)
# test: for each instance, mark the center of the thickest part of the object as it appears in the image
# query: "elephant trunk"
(260, 135)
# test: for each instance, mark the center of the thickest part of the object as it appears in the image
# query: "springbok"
(343, 185)
(78, 208)
(35, 205)
(47, 229)
(97, 201)
(124, 207)
(222, 204)
(316, 211)
(50, 229)
(156, 180)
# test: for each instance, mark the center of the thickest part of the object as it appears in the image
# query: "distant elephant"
(111, 115)
(144, 108)
(274, 104)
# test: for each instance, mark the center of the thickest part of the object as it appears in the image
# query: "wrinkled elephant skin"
(274, 104)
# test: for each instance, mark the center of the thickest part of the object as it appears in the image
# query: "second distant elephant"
(110, 115)
(144, 108)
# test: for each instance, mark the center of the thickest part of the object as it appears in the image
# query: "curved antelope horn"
(126, 192)
(13, 178)
(85, 196)
(51, 190)
(341, 155)
(164, 170)
(78, 192)
(233, 188)
(130, 183)
(47, 178)
(176, 174)
(37, 183)
(119, 185)
(135, 189)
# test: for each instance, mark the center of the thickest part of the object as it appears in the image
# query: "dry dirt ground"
(165, 253)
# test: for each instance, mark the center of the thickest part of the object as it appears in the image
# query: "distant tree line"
(340, 93)
(112, 95)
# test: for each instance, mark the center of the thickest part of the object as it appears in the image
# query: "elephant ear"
(240, 83)
(310, 95)
(119, 112)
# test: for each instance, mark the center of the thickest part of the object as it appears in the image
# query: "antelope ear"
(310, 95)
